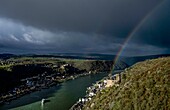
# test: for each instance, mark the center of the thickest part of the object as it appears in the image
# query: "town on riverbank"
(109, 81)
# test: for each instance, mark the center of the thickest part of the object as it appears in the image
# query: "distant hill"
(88, 62)
(64, 55)
(144, 86)
(6, 56)
(128, 60)
(79, 56)
(98, 65)
(132, 60)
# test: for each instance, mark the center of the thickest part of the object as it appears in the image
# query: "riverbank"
(36, 83)
(61, 97)
(97, 87)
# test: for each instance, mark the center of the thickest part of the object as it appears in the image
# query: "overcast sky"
(84, 26)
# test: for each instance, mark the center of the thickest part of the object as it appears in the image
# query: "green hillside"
(144, 86)
(16, 69)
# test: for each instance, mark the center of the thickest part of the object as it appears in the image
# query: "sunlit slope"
(144, 86)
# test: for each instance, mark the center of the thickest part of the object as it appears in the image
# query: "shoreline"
(21, 90)
(95, 88)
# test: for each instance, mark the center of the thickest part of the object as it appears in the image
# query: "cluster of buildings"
(2, 62)
(98, 87)
(29, 85)
(34, 83)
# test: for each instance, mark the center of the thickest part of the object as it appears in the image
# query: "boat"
(42, 102)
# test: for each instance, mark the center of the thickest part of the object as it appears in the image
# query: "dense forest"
(145, 85)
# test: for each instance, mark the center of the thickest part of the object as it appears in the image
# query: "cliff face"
(145, 85)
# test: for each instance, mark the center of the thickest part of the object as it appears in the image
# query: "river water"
(60, 97)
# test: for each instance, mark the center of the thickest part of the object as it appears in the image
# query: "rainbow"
(128, 38)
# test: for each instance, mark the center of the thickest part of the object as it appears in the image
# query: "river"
(60, 97)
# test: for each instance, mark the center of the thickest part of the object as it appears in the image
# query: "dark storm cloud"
(156, 29)
(109, 17)
(101, 26)
(16, 36)
(142, 49)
